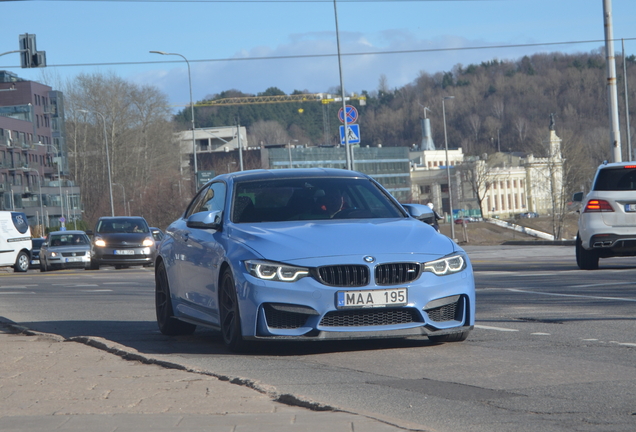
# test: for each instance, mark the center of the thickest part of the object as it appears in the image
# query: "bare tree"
(268, 132)
(134, 121)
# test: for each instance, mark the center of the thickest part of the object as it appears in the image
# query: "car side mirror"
(420, 212)
(89, 232)
(577, 197)
(206, 220)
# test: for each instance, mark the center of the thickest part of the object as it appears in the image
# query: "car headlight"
(100, 242)
(54, 254)
(148, 242)
(445, 266)
(269, 270)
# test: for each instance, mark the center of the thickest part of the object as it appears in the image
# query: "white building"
(209, 140)
(508, 184)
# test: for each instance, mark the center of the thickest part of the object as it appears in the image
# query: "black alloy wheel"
(230, 315)
(168, 324)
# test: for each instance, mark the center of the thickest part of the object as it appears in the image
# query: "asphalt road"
(554, 348)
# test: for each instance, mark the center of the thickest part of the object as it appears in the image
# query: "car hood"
(297, 241)
(69, 248)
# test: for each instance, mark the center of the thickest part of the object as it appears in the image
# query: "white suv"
(607, 223)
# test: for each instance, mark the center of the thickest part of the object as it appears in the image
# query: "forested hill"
(497, 104)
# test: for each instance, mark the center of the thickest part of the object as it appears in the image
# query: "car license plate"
(33, 262)
(73, 259)
(630, 207)
(124, 252)
(372, 298)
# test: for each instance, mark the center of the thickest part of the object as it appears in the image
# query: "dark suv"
(122, 242)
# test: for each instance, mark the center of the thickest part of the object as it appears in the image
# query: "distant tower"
(427, 136)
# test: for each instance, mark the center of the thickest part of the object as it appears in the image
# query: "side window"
(195, 203)
(209, 199)
(214, 198)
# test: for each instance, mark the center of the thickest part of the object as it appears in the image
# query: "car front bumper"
(124, 256)
(436, 305)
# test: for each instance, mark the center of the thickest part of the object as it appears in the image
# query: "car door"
(201, 254)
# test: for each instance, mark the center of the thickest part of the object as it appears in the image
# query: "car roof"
(617, 165)
(271, 174)
(67, 232)
(121, 217)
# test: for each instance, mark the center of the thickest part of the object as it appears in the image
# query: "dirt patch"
(484, 233)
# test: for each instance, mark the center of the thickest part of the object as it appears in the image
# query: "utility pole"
(615, 133)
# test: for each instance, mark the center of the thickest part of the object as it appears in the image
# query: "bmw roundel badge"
(368, 259)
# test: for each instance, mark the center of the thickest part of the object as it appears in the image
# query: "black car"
(35, 252)
(122, 242)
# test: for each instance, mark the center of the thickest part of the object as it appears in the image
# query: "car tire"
(21, 263)
(43, 267)
(230, 314)
(454, 337)
(94, 265)
(585, 259)
(168, 324)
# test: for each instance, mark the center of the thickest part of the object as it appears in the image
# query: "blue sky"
(103, 36)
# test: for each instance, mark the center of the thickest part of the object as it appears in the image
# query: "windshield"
(310, 199)
(122, 225)
(68, 240)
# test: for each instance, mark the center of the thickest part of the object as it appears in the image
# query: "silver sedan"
(65, 249)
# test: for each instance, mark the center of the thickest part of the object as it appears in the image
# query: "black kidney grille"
(344, 275)
(396, 273)
(370, 317)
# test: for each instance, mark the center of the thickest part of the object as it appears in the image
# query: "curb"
(540, 243)
(128, 354)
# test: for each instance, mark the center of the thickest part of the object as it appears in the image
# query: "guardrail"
(525, 230)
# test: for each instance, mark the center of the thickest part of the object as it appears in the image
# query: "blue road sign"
(353, 134)
(352, 114)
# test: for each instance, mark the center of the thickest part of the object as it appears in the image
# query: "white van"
(15, 241)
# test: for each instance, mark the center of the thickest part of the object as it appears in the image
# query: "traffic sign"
(353, 134)
(352, 114)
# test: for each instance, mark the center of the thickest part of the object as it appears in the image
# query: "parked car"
(309, 254)
(122, 241)
(35, 252)
(607, 220)
(526, 215)
(157, 236)
(65, 249)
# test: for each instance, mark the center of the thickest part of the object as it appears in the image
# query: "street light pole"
(194, 145)
(59, 175)
(448, 176)
(110, 181)
(124, 190)
(40, 192)
(348, 151)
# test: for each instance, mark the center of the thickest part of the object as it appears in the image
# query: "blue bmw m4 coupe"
(309, 254)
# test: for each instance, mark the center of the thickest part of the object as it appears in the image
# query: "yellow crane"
(324, 98)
